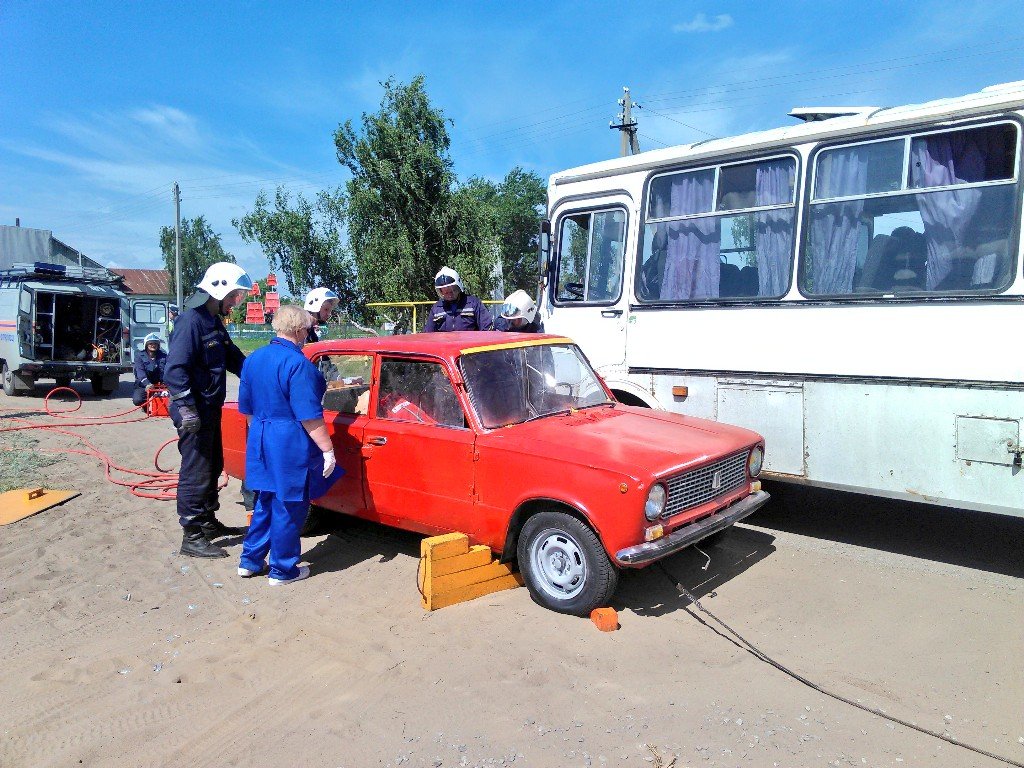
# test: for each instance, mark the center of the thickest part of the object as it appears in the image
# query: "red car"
(513, 440)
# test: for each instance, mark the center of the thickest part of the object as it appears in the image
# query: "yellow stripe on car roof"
(514, 344)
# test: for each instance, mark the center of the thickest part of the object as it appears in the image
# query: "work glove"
(329, 463)
(190, 422)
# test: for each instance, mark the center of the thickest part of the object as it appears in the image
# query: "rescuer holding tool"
(320, 303)
(519, 314)
(455, 310)
(201, 353)
(289, 458)
(149, 367)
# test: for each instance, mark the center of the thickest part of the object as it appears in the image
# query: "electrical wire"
(746, 645)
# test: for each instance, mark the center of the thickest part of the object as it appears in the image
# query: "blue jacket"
(466, 313)
(200, 355)
(149, 370)
(280, 389)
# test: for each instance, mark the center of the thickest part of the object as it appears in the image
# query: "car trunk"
(77, 327)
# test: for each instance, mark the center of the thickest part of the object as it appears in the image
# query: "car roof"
(450, 344)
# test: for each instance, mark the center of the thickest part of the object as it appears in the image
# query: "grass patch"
(21, 465)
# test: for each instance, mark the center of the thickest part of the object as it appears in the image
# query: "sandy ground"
(117, 651)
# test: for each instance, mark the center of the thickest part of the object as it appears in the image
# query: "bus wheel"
(564, 564)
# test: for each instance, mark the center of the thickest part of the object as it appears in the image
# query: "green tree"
(200, 247)
(513, 210)
(406, 218)
(303, 241)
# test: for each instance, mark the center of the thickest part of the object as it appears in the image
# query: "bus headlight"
(755, 460)
(655, 501)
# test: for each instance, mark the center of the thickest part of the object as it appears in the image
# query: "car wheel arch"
(531, 507)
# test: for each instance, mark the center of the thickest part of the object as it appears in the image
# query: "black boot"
(194, 544)
(213, 528)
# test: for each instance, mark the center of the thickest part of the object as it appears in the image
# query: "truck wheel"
(564, 564)
(63, 381)
(100, 386)
(9, 389)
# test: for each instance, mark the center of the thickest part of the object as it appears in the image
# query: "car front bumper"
(648, 552)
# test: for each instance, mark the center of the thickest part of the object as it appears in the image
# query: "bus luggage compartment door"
(776, 410)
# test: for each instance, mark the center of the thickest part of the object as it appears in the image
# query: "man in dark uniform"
(149, 367)
(201, 353)
(519, 314)
(455, 310)
(320, 303)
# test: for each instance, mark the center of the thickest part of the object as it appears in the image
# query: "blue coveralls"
(280, 389)
(148, 370)
(200, 355)
(534, 326)
(466, 313)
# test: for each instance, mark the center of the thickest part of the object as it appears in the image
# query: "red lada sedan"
(513, 440)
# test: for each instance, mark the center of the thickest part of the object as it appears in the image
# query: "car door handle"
(611, 312)
(377, 441)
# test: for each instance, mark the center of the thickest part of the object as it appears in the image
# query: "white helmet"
(316, 298)
(518, 306)
(224, 277)
(151, 338)
(447, 276)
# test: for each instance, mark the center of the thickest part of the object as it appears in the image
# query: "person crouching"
(288, 452)
(149, 368)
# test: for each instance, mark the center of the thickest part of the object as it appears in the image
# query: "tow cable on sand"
(744, 644)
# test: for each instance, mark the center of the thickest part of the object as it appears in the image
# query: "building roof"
(148, 282)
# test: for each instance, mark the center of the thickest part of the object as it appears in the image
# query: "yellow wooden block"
(462, 594)
(477, 556)
(448, 545)
(440, 584)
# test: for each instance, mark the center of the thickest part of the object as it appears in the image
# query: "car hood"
(623, 438)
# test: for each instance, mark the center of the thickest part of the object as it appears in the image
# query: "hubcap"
(559, 564)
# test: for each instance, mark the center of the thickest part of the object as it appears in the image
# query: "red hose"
(161, 484)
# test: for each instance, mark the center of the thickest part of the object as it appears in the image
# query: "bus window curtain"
(835, 227)
(692, 266)
(941, 160)
(773, 241)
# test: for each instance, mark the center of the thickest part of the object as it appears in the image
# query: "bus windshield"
(516, 384)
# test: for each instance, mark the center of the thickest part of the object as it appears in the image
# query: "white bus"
(849, 286)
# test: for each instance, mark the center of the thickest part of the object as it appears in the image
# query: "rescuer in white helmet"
(320, 303)
(200, 354)
(150, 363)
(455, 309)
(519, 314)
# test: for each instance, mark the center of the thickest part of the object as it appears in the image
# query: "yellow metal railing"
(413, 304)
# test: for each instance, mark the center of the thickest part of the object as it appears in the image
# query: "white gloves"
(329, 463)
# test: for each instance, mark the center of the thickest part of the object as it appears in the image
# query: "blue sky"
(106, 104)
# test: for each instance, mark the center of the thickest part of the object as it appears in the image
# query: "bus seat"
(729, 281)
(865, 279)
(749, 285)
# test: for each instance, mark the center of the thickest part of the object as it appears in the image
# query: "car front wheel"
(564, 564)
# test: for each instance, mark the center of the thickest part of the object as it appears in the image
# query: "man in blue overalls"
(455, 310)
(201, 353)
(149, 367)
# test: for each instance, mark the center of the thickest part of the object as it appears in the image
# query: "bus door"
(587, 297)
(148, 316)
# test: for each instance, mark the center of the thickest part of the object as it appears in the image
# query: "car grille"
(691, 489)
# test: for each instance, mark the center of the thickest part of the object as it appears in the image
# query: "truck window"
(149, 312)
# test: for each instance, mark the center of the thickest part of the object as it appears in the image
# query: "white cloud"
(701, 23)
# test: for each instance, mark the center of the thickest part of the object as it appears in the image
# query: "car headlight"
(755, 460)
(655, 502)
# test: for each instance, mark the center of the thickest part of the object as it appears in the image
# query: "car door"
(418, 450)
(348, 379)
(147, 316)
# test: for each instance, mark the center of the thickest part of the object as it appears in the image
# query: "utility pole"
(627, 125)
(177, 243)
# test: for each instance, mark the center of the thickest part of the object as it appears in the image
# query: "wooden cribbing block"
(452, 572)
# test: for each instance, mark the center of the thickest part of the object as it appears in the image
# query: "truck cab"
(62, 323)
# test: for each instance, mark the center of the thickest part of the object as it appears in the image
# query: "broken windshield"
(509, 386)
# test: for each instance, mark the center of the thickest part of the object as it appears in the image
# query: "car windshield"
(517, 384)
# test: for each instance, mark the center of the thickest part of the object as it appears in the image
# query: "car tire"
(8, 382)
(315, 520)
(564, 564)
